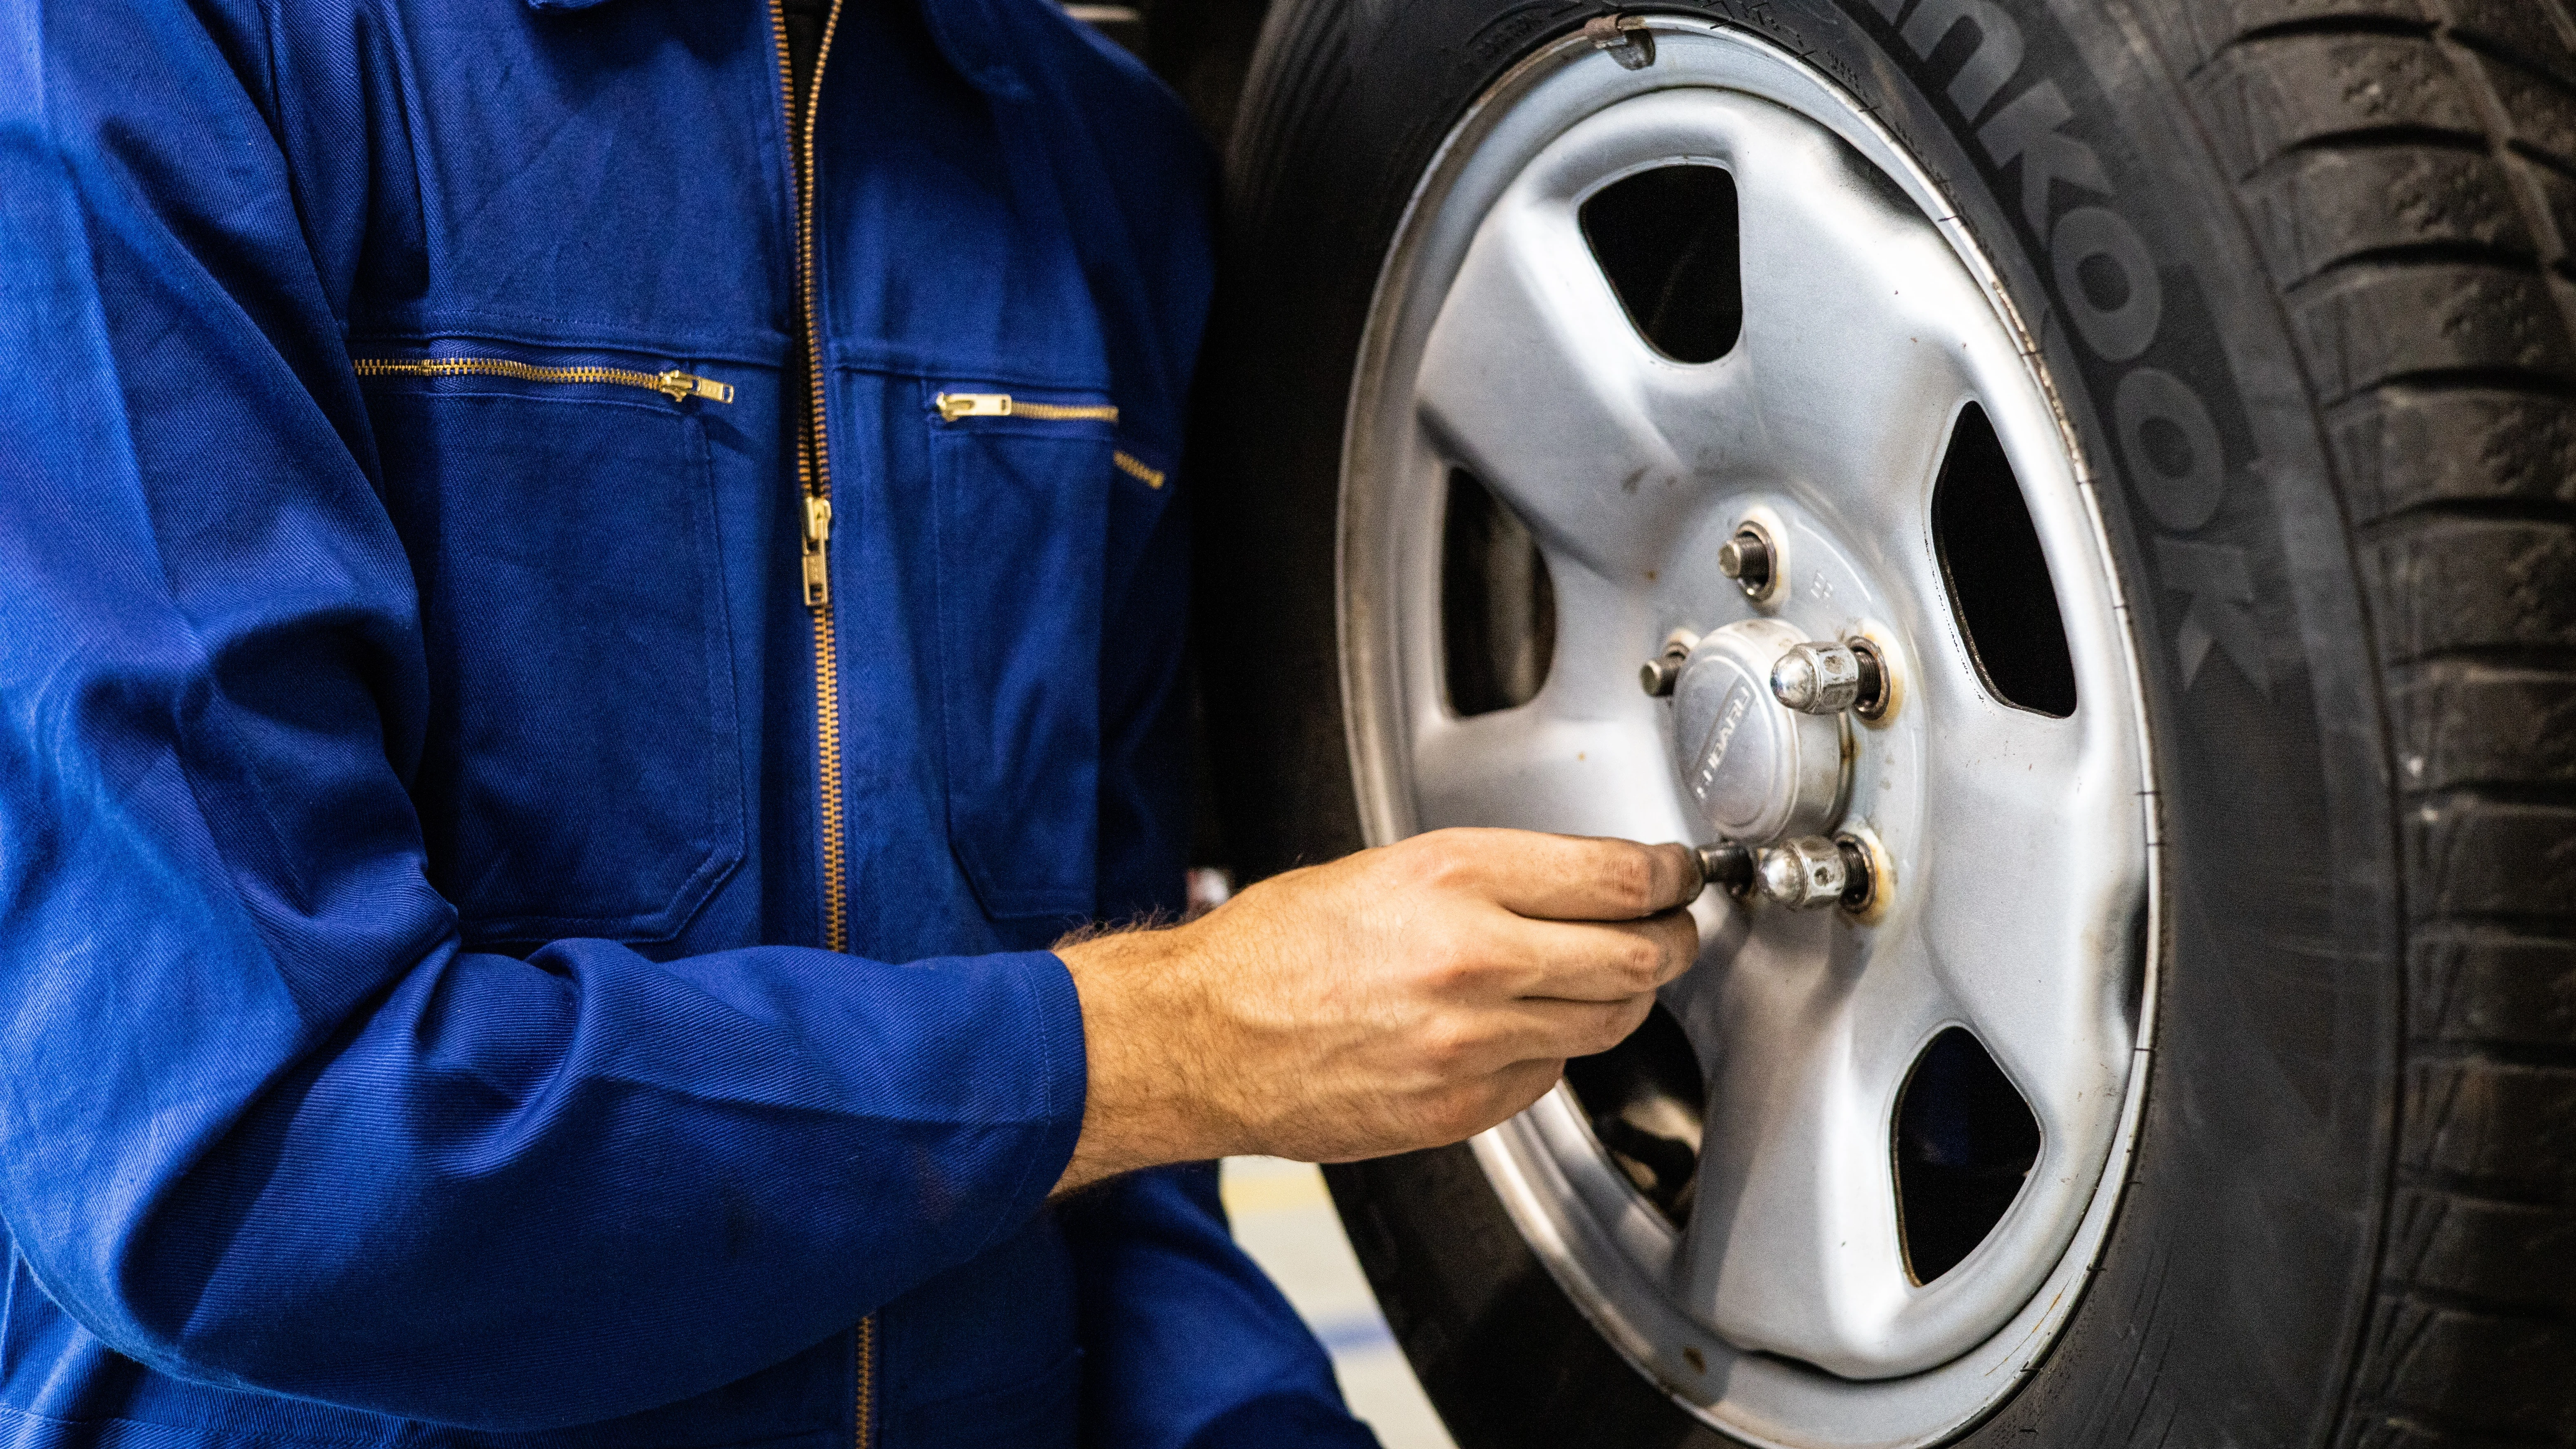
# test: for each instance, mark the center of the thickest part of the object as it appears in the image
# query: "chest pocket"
(581, 769)
(1024, 485)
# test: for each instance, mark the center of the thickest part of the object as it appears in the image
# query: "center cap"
(1758, 770)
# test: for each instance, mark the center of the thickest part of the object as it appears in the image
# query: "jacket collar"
(974, 36)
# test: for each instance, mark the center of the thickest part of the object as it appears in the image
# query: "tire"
(2349, 1216)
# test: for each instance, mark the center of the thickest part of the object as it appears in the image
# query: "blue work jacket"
(494, 952)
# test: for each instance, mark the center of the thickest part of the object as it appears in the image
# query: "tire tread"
(2408, 172)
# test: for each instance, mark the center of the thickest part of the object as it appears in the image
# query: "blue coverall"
(523, 897)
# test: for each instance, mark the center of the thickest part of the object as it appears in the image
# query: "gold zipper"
(671, 382)
(955, 405)
(1134, 467)
(814, 484)
(814, 495)
(867, 1356)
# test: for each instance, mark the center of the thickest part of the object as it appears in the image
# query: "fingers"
(1559, 877)
(1498, 1039)
(1584, 1028)
(1514, 1089)
(1594, 960)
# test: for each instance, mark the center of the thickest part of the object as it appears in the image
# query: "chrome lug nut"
(1825, 678)
(1750, 558)
(1726, 865)
(1802, 874)
(1811, 872)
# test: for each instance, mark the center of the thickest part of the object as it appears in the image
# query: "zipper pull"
(818, 552)
(675, 385)
(955, 405)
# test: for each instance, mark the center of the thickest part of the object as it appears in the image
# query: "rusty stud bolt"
(1750, 558)
(1658, 675)
(1860, 878)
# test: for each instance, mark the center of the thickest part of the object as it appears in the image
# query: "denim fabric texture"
(415, 1027)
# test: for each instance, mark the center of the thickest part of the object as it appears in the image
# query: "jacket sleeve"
(269, 1126)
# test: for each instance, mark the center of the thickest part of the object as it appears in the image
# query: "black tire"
(2352, 1215)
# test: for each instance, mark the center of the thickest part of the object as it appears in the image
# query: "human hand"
(1402, 997)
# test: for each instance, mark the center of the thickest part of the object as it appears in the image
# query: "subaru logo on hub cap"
(1758, 770)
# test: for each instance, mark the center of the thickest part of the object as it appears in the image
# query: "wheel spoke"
(1535, 769)
(1859, 327)
(2022, 911)
(1533, 379)
(1792, 1246)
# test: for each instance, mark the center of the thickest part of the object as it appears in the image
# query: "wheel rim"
(1773, 1293)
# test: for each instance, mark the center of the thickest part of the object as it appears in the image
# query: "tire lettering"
(1997, 56)
(2122, 331)
(2221, 609)
(2027, 128)
(2216, 577)
(2182, 501)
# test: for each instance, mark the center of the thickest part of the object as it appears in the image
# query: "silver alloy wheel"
(2017, 848)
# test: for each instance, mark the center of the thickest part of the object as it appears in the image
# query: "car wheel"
(2077, 506)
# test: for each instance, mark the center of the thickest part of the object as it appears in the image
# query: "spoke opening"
(1647, 1104)
(1667, 240)
(2000, 590)
(1964, 1142)
(1497, 603)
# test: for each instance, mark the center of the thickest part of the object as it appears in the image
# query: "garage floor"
(1285, 1221)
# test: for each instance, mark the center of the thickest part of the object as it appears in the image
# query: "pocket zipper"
(1136, 468)
(671, 382)
(955, 405)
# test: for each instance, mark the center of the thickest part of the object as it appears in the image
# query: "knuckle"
(1447, 1045)
(1641, 959)
(1437, 859)
(1449, 959)
(1630, 880)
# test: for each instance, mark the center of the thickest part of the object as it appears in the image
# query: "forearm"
(523, 1194)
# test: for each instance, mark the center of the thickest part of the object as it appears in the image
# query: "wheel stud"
(1812, 872)
(1830, 678)
(1658, 675)
(1750, 558)
(1860, 874)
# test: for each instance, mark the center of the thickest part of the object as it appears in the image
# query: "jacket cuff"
(1058, 1051)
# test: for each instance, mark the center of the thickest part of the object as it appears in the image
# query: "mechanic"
(590, 585)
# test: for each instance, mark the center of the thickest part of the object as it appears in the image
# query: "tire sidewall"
(2230, 1293)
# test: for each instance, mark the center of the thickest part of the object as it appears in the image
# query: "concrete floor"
(1285, 1221)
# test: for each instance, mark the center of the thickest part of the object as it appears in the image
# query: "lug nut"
(1830, 678)
(1802, 874)
(1727, 866)
(1658, 675)
(1749, 558)
(1811, 872)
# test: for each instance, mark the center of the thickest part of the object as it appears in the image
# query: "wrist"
(1147, 1056)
